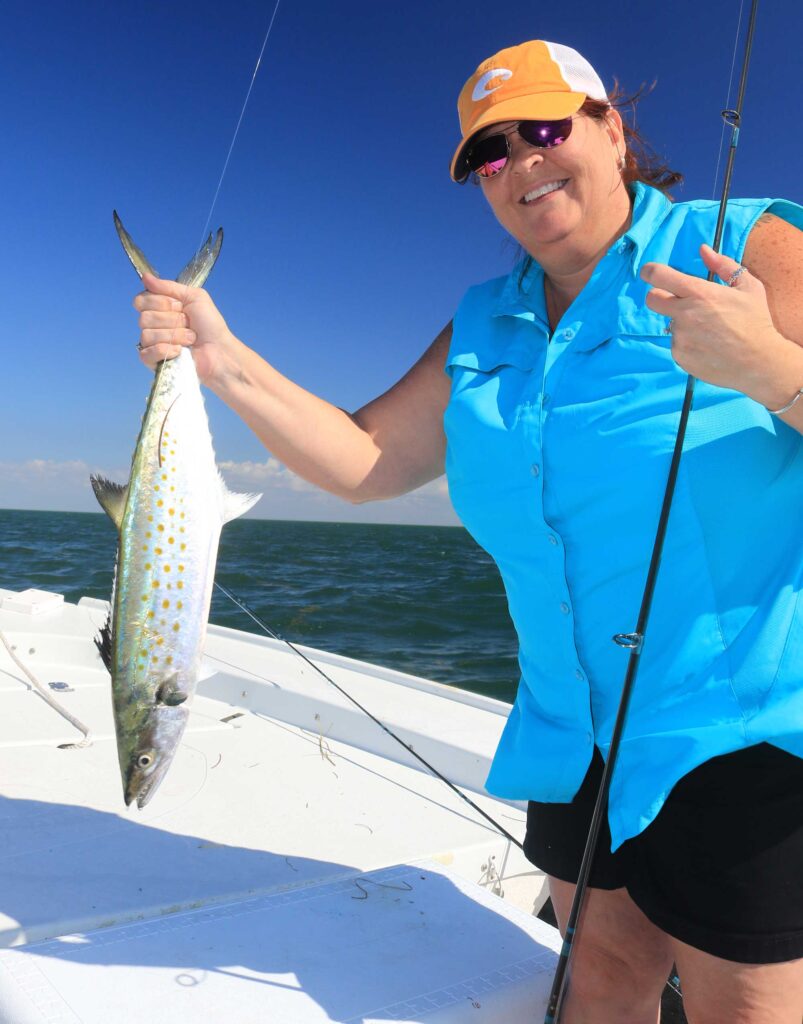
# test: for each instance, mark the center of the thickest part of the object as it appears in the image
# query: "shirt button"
(535, 469)
(564, 608)
(578, 674)
(553, 540)
(568, 334)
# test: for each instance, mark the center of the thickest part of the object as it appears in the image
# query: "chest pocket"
(492, 441)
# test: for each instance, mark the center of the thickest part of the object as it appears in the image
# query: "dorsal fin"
(112, 498)
(103, 642)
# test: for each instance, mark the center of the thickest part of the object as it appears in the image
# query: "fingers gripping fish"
(169, 516)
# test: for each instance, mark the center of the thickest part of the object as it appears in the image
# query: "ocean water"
(422, 599)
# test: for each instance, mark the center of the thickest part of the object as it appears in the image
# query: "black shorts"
(721, 866)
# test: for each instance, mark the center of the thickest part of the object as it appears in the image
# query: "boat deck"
(294, 865)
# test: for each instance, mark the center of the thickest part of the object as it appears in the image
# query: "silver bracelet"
(787, 407)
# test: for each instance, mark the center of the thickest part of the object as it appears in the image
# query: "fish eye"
(144, 760)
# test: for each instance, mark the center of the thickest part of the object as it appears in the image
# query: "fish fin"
(103, 641)
(200, 266)
(170, 693)
(112, 498)
(134, 253)
(234, 504)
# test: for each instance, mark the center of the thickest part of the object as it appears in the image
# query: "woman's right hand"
(173, 316)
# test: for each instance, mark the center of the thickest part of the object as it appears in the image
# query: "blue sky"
(347, 245)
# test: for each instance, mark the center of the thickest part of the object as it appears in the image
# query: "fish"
(169, 517)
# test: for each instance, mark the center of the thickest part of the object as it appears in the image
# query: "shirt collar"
(523, 291)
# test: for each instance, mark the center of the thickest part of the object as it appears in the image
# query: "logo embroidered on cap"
(481, 89)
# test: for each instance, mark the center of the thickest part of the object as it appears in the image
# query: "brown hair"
(641, 161)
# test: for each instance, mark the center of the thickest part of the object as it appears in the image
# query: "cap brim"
(550, 106)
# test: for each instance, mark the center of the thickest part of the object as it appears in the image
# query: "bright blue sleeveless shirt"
(557, 458)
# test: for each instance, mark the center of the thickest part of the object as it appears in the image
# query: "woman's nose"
(523, 157)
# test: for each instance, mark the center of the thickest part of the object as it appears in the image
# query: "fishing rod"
(410, 750)
(634, 642)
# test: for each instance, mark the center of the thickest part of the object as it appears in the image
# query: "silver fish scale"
(169, 538)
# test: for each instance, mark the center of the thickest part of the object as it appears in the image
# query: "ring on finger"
(735, 276)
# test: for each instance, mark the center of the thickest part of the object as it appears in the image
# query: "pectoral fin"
(112, 498)
(170, 692)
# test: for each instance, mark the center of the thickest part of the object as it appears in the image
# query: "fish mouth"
(139, 789)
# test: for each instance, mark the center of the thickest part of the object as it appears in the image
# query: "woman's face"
(591, 203)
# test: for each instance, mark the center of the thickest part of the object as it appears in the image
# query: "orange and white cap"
(535, 81)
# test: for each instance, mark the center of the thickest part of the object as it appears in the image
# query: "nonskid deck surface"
(280, 786)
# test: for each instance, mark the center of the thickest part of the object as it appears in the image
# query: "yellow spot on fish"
(179, 604)
(159, 641)
(169, 586)
(143, 654)
(172, 488)
(169, 659)
(150, 614)
(166, 434)
(176, 627)
(172, 452)
(164, 476)
(159, 503)
(150, 519)
(144, 597)
(160, 528)
(181, 568)
(158, 551)
(148, 565)
(155, 584)
(165, 603)
(167, 568)
(170, 540)
(171, 511)
(181, 515)
(180, 584)
(144, 547)
(156, 487)
(183, 547)
(155, 658)
(148, 533)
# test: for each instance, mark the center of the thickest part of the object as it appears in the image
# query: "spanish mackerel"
(169, 516)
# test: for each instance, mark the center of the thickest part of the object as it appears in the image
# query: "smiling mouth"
(544, 190)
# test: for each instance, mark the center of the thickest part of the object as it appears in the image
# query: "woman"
(558, 388)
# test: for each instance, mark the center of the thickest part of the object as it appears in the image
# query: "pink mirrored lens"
(491, 167)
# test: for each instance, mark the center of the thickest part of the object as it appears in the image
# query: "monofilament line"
(239, 122)
(389, 732)
(728, 101)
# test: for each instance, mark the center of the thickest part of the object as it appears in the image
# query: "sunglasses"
(489, 156)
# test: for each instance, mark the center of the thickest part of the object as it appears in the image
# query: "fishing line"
(434, 771)
(634, 642)
(727, 102)
(239, 122)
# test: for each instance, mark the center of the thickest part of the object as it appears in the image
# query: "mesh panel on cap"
(577, 71)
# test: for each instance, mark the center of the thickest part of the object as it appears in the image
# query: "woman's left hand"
(724, 336)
